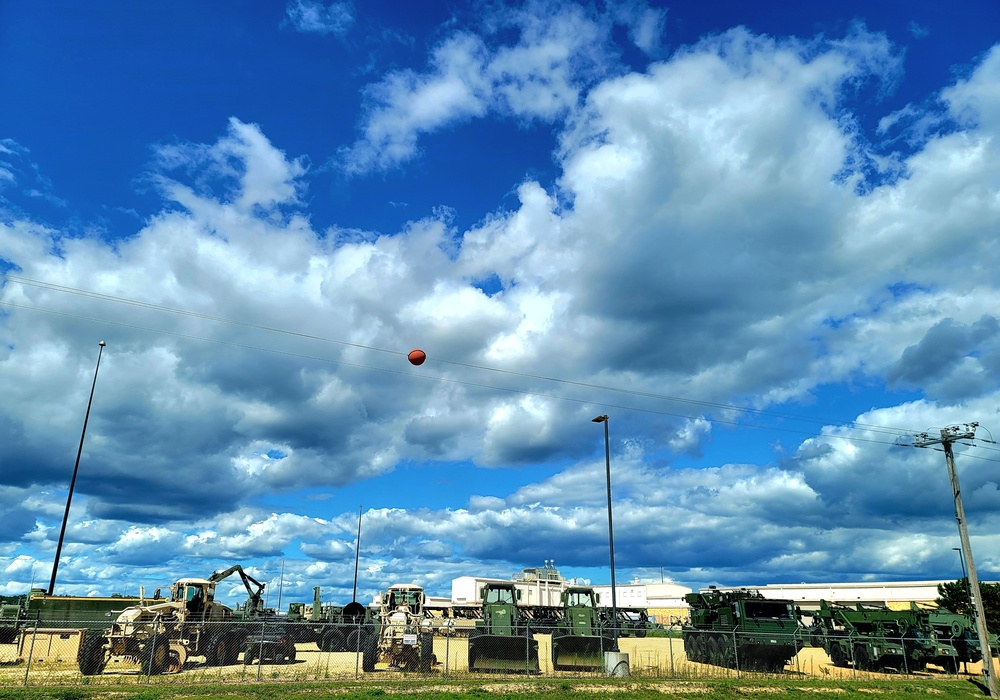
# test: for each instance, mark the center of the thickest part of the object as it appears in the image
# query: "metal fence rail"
(86, 651)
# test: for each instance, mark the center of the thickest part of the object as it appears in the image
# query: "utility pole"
(950, 435)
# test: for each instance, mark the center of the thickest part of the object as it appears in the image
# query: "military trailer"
(503, 640)
(877, 638)
(328, 626)
(741, 629)
(578, 638)
(38, 609)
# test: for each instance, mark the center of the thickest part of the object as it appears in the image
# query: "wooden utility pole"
(948, 436)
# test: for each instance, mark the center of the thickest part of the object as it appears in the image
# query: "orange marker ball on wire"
(416, 357)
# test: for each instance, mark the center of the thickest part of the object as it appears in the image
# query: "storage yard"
(659, 657)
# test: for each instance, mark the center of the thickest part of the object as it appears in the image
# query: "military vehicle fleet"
(734, 629)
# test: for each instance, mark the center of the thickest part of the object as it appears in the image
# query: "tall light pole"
(76, 468)
(611, 532)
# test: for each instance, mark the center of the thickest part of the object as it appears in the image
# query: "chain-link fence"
(164, 651)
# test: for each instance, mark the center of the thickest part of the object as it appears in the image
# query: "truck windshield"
(583, 598)
(768, 608)
(500, 595)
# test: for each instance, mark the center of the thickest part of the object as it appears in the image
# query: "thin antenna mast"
(357, 556)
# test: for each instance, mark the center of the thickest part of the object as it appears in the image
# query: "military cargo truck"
(876, 638)
(503, 640)
(741, 629)
(578, 639)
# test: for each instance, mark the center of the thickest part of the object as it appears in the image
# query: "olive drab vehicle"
(741, 629)
(162, 636)
(876, 638)
(329, 626)
(578, 639)
(503, 640)
(957, 631)
(38, 609)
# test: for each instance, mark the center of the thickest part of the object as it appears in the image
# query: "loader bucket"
(579, 653)
(488, 652)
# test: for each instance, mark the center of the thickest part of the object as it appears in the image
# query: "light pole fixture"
(611, 533)
(76, 467)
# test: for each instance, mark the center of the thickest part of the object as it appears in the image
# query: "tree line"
(955, 597)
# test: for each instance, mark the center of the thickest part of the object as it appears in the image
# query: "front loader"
(577, 640)
(161, 636)
(503, 642)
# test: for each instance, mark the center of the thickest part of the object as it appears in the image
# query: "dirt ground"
(648, 658)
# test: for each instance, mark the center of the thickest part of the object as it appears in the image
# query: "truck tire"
(332, 640)
(714, 645)
(235, 643)
(218, 650)
(360, 641)
(862, 659)
(837, 657)
(155, 657)
(92, 658)
(426, 652)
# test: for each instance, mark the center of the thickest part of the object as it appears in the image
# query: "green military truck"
(741, 629)
(502, 641)
(877, 638)
(578, 638)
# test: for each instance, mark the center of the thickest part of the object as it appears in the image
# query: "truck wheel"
(92, 657)
(250, 656)
(233, 646)
(174, 664)
(862, 660)
(837, 656)
(333, 640)
(359, 641)
(218, 651)
(155, 657)
(426, 653)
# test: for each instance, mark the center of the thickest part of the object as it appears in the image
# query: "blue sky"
(760, 236)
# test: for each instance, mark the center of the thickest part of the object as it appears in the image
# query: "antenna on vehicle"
(357, 555)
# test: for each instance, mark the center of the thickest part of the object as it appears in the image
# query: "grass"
(555, 689)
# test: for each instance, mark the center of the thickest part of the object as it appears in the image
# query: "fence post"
(357, 651)
(31, 653)
(670, 648)
(736, 653)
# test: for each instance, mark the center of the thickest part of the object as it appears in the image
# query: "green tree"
(955, 597)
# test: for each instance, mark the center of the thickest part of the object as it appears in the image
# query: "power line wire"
(852, 425)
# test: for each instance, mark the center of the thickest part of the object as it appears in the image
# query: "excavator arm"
(255, 591)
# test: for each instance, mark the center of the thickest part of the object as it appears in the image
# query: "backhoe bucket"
(488, 652)
(579, 653)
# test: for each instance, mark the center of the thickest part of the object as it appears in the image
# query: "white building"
(537, 586)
